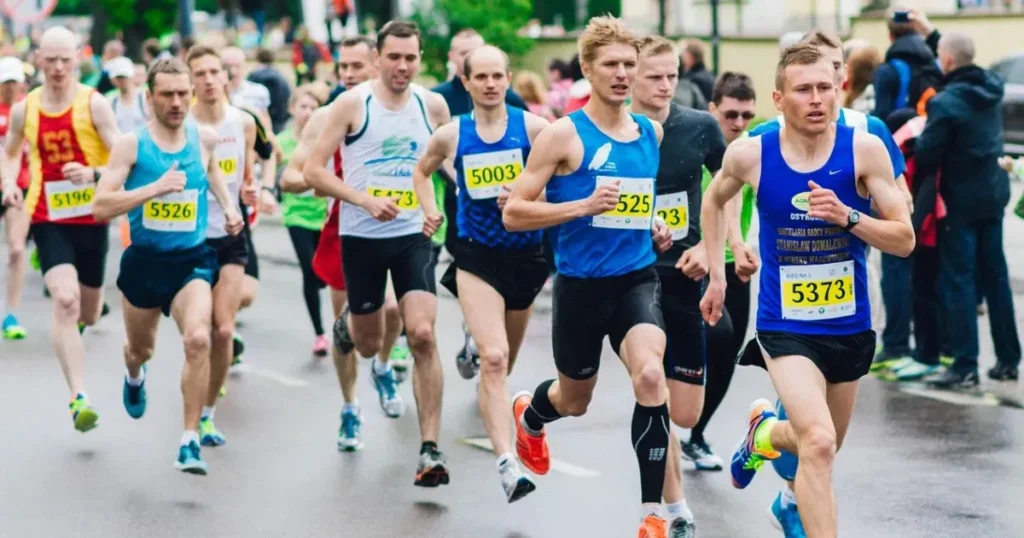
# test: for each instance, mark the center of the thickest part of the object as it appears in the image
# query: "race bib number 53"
(636, 204)
(66, 200)
(174, 212)
(818, 292)
(394, 187)
(488, 173)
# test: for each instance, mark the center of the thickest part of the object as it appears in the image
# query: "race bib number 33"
(66, 200)
(488, 173)
(394, 187)
(636, 204)
(174, 212)
(818, 292)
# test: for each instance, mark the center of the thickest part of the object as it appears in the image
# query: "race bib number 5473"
(394, 187)
(818, 292)
(636, 204)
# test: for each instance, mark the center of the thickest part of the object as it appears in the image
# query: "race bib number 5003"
(488, 173)
(818, 292)
(175, 212)
(636, 204)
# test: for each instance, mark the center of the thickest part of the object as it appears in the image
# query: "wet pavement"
(916, 462)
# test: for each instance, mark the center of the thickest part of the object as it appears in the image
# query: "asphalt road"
(916, 462)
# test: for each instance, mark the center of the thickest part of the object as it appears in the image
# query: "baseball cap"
(11, 69)
(120, 67)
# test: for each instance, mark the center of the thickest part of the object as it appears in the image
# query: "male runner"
(498, 273)
(382, 127)
(69, 128)
(599, 165)
(692, 141)
(234, 157)
(160, 176)
(814, 320)
(15, 219)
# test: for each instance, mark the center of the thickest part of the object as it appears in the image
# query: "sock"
(679, 510)
(471, 349)
(136, 381)
(650, 441)
(540, 411)
(351, 407)
(81, 395)
(208, 412)
(648, 509)
(504, 459)
(788, 497)
(188, 437)
(763, 436)
(379, 366)
(428, 446)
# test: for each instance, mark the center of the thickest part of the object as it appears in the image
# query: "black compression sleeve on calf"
(540, 411)
(650, 441)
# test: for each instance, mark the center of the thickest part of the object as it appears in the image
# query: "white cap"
(11, 69)
(120, 67)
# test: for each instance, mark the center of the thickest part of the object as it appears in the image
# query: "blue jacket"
(911, 49)
(459, 101)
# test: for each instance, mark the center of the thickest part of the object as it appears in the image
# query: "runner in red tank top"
(12, 81)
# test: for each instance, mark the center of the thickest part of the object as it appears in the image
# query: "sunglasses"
(732, 115)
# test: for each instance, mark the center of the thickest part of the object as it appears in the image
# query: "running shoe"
(320, 346)
(105, 311)
(81, 327)
(134, 398)
(208, 433)
(786, 464)
(223, 391)
(83, 414)
(950, 379)
(342, 337)
(915, 370)
(883, 363)
(680, 528)
(190, 460)
(387, 391)
(1003, 372)
(653, 527)
(432, 470)
(750, 455)
(349, 439)
(399, 358)
(12, 330)
(700, 453)
(786, 519)
(237, 349)
(532, 449)
(948, 360)
(516, 484)
(33, 260)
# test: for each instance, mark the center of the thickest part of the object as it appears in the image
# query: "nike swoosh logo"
(833, 172)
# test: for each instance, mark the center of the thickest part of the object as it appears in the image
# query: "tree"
(137, 21)
(498, 21)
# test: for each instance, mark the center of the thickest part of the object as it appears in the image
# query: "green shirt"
(303, 210)
(746, 210)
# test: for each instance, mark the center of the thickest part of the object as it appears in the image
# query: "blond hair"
(799, 54)
(530, 87)
(655, 45)
(601, 32)
(315, 91)
(861, 67)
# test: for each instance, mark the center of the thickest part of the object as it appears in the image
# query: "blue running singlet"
(174, 221)
(814, 277)
(484, 169)
(618, 241)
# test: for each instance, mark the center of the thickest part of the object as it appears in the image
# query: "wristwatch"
(852, 219)
(96, 175)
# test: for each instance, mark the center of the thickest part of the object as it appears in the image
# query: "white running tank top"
(229, 156)
(379, 159)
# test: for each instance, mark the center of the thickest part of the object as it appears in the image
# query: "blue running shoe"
(134, 398)
(787, 519)
(785, 465)
(209, 435)
(750, 455)
(349, 439)
(189, 460)
(386, 385)
(12, 330)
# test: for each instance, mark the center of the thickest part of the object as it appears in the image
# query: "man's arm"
(111, 199)
(893, 233)
(315, 172)
(534, 125)
(934, 138)
(440, 149)
(740, 159)
(250, 193)
(10, 157)
(216, 181)
(105, 122)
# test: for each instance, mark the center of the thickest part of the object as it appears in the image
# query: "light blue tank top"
(175, 221)
(814, 276)
(619, 241)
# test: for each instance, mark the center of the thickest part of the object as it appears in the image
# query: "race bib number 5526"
(174, 212)
(636, 204)
(818, 292)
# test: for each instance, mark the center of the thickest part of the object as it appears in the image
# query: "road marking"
(956, 398)
(258, 371)
(564, 467)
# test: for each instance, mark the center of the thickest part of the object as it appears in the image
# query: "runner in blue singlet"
(814, 322)
(165, 169)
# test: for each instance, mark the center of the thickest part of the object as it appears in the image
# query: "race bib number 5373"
(818, 292)
(636, 204)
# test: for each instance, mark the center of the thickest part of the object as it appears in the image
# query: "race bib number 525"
(636, 204)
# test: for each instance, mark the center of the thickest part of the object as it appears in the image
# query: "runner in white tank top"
(230, 157)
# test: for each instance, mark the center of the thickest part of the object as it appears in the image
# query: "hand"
(382, 209)
(173, 180)
(694, 262)
(77, 173)
(268, 204)
(745, 260)
(251, 194)
(1006, 163)
(12, 195)
(712, 302)
(921, 23)
(661, 234)
(825, 205)
(232, 222)
(604, 198)
(503, 196)
(431, 222)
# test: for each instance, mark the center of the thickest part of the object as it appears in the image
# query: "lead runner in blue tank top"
(159, 175)
(499, 273)
(598, 166)
(814, 320)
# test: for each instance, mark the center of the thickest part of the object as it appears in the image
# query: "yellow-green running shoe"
(12, 330)
(33, 260)
(83, 413)
(208, 434)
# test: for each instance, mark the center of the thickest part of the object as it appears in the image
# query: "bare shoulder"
(867, 143)
(126, 148)
(208, 135)
(744, 153)
(659, 131)
(534, 124)
(248, 121)
(436, 103)
(97, 101)
(447, 133)
(561, 127)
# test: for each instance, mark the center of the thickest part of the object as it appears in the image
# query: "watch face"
(854, 216)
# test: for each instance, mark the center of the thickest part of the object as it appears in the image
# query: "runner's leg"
(419, 311)
(192, 311)
(16, 221)
(62, 281)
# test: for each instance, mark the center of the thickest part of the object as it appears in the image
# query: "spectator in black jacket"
(692, 68)
(964, 138)
(913, 49)
(280, 92)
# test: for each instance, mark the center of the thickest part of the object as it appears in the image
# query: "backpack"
(918, 83)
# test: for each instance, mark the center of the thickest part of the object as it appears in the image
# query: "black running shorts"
(367, 262)
(81, 245)
(685, 346)
(231, 250)
(516, 274)
(152, 279)
(840, 359)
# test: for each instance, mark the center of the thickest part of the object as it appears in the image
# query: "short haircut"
(898, 29)
(315, 91)
(655, 45)
(199, 51)
(601, 32)
(561, 66)
(466, 32)
(820, 38)
(735, 85)
(264, 56)
(166, 66)
(355, 41)
(466, 71)
(799, 54)
(152, 47)
(960, 46)
(400, 29)
(695, 48)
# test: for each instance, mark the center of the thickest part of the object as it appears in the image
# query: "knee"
(197, 344)
(649, 380)
(16, 253)
(224, 332)
(421, 338)
(392, 317)
(685, 416)
(67, 303)
(493, 360)
(138, 353)
(576, 406)
(818, 446)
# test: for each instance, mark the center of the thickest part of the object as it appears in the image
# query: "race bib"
(174, 212)
(817, 292)
(391, 187)
(228, 166)
(674, 208)
(635, 208)
(488, 173)
(66, 200)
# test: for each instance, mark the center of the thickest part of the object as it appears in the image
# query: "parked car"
(1011, 70)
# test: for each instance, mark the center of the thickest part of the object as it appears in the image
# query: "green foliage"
(498, 21)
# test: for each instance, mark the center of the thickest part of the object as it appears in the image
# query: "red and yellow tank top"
(56, 139)
(5, 121)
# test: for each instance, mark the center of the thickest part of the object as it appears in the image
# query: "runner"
(69, 128)
(599, 166)
(160, 175)
(814, 320)
(499, 273)
(12, 79)
(692, 141)
(382, 127)
(234, 157)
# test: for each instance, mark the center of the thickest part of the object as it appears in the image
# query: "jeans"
(965, 250)
(896, 294)
(927, 323)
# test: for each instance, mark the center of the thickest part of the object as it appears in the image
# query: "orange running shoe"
(532, 449)
(653, 527)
